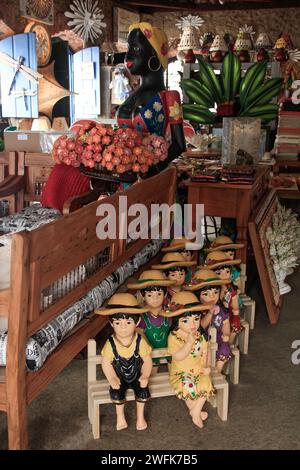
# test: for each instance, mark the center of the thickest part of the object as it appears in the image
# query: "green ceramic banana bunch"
(250, 94)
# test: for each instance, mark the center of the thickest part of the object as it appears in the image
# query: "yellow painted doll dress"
(186, 376)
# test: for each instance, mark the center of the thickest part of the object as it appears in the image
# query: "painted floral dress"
(162, 109)
(186, 376)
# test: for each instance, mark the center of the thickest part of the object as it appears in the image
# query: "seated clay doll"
(189, 372)
(223, 243)
(219, 262)
(152, 286)
(206, 284)
(175, 268)
(179, 245)
(126, 357)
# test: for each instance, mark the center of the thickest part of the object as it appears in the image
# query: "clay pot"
(262, 55)
(225, 109)
(280, 55)
(216, 56)
(244, 56)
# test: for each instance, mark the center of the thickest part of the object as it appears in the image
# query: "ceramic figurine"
(206, 284)
(189, 372)
(224, 243)
(219, 262)
(280, 50)
(175, 268)
(126, 357)
(151, 107)
(218, 49)
(179, 245)
(152, 286)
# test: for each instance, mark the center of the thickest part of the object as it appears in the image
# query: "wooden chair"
(28, 173)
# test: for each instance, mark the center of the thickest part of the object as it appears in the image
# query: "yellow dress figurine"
(190, 367)
(126, 357)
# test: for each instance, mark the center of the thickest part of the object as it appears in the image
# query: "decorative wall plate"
(43, 42)
(39, 10)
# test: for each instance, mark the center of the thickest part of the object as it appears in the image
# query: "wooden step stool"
(248, 312)
(98, 390)
(242, 339)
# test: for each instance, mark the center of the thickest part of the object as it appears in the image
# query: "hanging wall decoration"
(39, 10)
(86, 20)
(43, 42)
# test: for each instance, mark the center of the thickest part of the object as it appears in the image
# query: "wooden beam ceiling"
(150, 6)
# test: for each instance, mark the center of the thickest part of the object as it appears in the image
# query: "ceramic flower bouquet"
(101, 147)
(284, 240)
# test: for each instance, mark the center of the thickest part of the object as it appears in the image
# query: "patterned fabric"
(29, 218)
(162, 109)
(4, 208)
(186, 376)
(219, 317)
(42, 343)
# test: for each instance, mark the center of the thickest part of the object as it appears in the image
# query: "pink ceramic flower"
(164, 49)
(148, 33)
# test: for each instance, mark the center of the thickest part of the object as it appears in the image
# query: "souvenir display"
(189, 372)
(152, 287)
(175, 267)
(126, 357)
(206, 285)
(221, 263)
(262, 45)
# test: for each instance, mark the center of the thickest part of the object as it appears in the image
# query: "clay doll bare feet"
(204, 415)
(121, 420)
(141, 423)
(194, 412)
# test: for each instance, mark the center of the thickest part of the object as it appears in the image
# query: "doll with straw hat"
(175, 268)
(219, 262)
(224, 243)
(152, 286)
(180, 245)
(206, 285)
(189, 372)
(126, 357)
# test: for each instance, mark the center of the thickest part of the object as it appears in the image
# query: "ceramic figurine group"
(173, 307)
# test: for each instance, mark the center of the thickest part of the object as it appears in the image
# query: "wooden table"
(238, 201)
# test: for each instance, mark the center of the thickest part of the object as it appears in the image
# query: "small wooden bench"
(98, 390)
(248, 311)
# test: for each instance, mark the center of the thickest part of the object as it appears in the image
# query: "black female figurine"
(151, 107)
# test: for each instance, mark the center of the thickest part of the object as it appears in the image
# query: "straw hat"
(177, 244)
(184, 302)
(219, 258)
(122, 303)
(224, 243)
(205, 277)
(152, 277)
(173, 259)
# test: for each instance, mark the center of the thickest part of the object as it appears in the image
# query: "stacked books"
(238, 174)
(287, 144)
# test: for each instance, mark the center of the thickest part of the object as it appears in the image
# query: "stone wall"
(273, 21)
